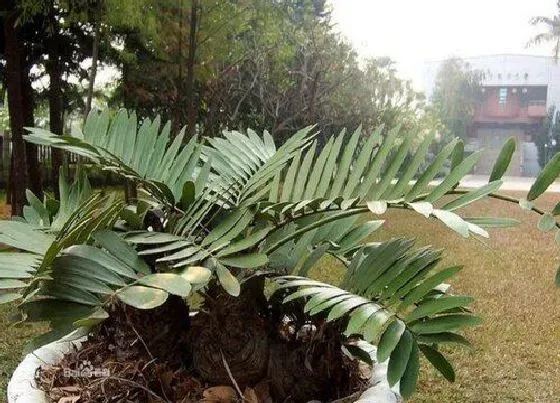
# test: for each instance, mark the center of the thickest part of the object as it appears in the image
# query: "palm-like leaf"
(245, 164)
(305, 229)
(144, 154)
(43, 248)
(375, 172)
(81, 268)
(85, 278)
(337, 185)
(392, 296)
(36, 233)
(237, 204)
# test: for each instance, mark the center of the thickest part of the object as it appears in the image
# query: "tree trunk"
(125, 81)
(130, 98)
(94, 59)
(190, 96)
(55, 99)
(7, 163)
(33, 167)
(178, 108)
(9, 186)
(311, 117)
(14, 56)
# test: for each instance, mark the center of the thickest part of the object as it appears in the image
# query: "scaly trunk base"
(166, 355)
(243, 332)
(230, 333)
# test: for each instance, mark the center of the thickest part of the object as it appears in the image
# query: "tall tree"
(456, 93)
(25, 170)
(54, 46)
(14, 55)
(192, 108)
(256, 63)
(35, 177)
(94, 54)
(101, 17)
(551, 33)
(54, 70)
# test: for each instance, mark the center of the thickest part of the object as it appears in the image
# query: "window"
(502, 96)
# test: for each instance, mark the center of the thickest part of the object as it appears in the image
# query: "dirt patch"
(5, 211)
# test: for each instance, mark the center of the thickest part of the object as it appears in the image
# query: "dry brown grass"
(517, 357)
(517, 348)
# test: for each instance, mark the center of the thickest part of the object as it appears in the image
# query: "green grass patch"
(12, 344)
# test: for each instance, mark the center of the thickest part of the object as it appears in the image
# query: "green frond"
(41, 231)
(49, 215)
(24, 236)
(31, 269)
(504, 159)
(391, 297)
(338, 184)
(83, 267)
(235, 204)
(86, 278)
(145, 154)
(545, 178)
(246, 164)
(233, 242)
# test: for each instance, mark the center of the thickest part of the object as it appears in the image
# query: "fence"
(44, 156)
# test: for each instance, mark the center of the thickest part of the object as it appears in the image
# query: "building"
(517, 91)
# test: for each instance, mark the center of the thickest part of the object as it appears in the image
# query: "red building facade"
(511, 104)
(517, 92)
(504, 112)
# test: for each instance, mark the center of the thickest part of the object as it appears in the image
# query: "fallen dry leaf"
(250, 396)
(219, 394)
(69, 389)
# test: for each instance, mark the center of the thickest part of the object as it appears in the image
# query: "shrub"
(218, 215)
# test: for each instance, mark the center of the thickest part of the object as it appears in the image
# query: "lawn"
(517, 348)
(517, 357)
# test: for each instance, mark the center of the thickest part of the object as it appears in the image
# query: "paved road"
(510, 183)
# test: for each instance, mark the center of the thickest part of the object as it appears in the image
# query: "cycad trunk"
(242, 335)
(234, 331)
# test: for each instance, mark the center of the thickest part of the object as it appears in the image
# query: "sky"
(412, 32)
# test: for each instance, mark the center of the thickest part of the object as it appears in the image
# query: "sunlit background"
(413, 32)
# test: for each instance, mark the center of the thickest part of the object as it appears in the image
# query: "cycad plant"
(240, 222)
